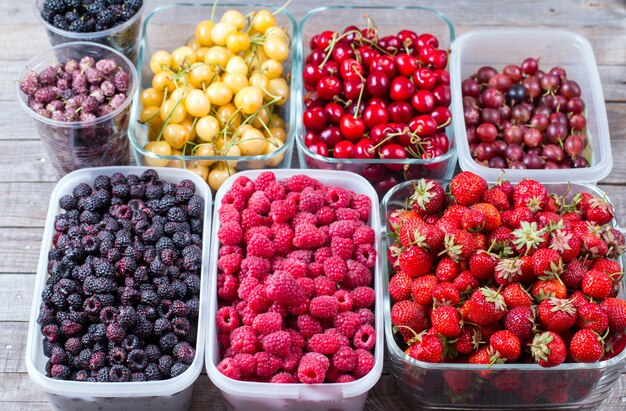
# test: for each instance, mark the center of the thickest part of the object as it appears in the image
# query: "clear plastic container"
(389, 20)
(569, 50)
(242, 395)
(73, 145)
(170, 26)
(172, 394)
(501, 386)
(123, 38)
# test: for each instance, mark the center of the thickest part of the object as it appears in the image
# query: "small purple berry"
(47, 94)
(86, 62)
(108, 88)
(107, 66)
(117, 100)
(98, 95)
(93, 75)
(121, 81)
(71, 66)
(58, 115)
(47, 76)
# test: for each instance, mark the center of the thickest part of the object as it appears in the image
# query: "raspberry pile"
(506, 274)
(295, 282)
(122, 298)
(87, 16)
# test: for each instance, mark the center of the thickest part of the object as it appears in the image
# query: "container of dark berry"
(78, 95)
(118, 318)
(529, 103)
(393, 60)
(116, 24)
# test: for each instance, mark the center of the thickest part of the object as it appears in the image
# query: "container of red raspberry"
(78, 96)
(310, 334)
(145, 393)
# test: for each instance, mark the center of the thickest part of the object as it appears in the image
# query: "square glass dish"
(383, 173)
(498, 48)
(164, 395)
(500, 386)
(172, 25)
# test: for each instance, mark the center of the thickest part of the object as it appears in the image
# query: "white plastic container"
(243, 395)
(569, 50)
(172, 394)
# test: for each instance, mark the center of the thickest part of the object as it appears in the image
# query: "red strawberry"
(482, 356)
(528, 274)
(480, 241)
(581, 200)
(564, 242)
(593, 246)
(427, 348)
(409, 230)
(409, 318)
(531, 194)
(596, 284)
(447, 269)
(482, 265)
(501, 238)
(488, 330)
(473, 220)
(491, 214)
(516, 296)
(543, 289)
(446, 321)
(393, 255)
(615, 308)
(496, 198)
(459, 245)
(486, 306)
(599, 211)
(545, 218)
(398, 217)
(455, 212)
(415, 261)
(465, 282)
(445, 294)
(608, 266)
(528, 238)
(615, 344)
(508, 270)
(520, 321)
(469, 340)
(428, 197)
(506, 345)
(557, 314)
(546, 262)
(448, 224)
(616, 242)
(548, 349)
(578, 299)
(586, 346)
(400, 286)
(591, 316)
(467, 188)
(458, 381)
(422, 289)
(514, 218)
(573, 274)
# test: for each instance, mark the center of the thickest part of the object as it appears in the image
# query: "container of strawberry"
(375, 93)
(504, 295)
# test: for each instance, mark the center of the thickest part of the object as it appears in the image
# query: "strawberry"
(415, 261)
(513, 218)
(482, 265)
(496, 198)
(506, 187)
(578, 299)
(465, 282)
(547, 218)
(480, 241)
(591, 316)
(592, 246)
(596, 284)
(447, 269)
(430, 237)
(543, 289)
(446, 321)
(545, 262)
(501, 238)
(557, 314)
(448, 224)
(508, 271)
(491, 214)
(486, 306)
(608, 266)
(614, 345)
(473, 220)
(507, 381)
(531, 194)
(455, 212)
(564, 242)
(393, 255)
(398, 217)
(458, 380)
(586, 346)
(615, 308)
(573, 274)
(529, 238)
(528, 274)
(488, 330)
(427, 348)
(422, 289)
(445, 294)
(409, 318)
(400, 286)
(516, 296)
(599, 211)
(548, 349)
(459, 245)
(482, 356)
(506, 345)
(469, 340)
(467, 188)
(615, 241)
(428, 197)
(521, 322)
(409, 231)
(581, 201)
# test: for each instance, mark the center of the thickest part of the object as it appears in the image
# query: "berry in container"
(568, 360)
(304, 358)
(374, 93)
(553, 130)
(109, 330)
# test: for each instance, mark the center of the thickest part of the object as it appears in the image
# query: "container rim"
(393, 348)
(120, 389)
(132, 78)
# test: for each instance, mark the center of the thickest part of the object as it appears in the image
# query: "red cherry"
(424, 78)
(423, 55)
(438, 59)
(400, 112)
(352, 128)
(312, 74)
(330, 136)
(311, 138)
(423, 101)
(331, 68)
(351, 33)
(377, 84)
(315, 119)
(401, 89)
(391, 44)
(351, 109)
(440, 140)
(364, 149)
(427, 39)
(389, 182)
(352, 87)
(350, 68)
(343, 149)
(316, 57)
(442, 76)
(375, 114)
(367, 54)
(435, 166)
(325, 38)
(313, 41)
(312, 99)
(441, 115)
(342, 51)
(377, 101)
(383, 64)
(319, 148)
(379, 132)
(328, 87)
(442, 95)
(403, 137)
(423, 126)
(334, 112)
(370, 33)
(408, 38)
(393, 152)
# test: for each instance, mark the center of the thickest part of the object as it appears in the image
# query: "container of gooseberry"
(166, 394)
(123, 36)
(211, 146)
(394, 137)
(460, 386)
(77, 140)
(532, 142)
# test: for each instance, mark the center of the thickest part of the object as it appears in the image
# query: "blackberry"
(102, 375)
(152, 372)
(178, 369)
(169, 189)
(143, 328)
(149, 175)
(131, 343)
(126, 266)
(133, 252)
(73, 4)
(138, 377)
(133, 4)
(117, 178)
(112, 225)
(192, 282)
(105, 246)
(181, 239)
(102, 198)
(185, 190)
(132, 179)
(87, 340)
(102, 268)
(54, 254)
(179, 309)
(120, 190)
(85, 356)
(58, 355)
(168, 341)
(61, 223)
(152, 204)
(153, 352)
(137, 191)
(196, 225)
(45, 317)
(98, 360)
(106, 17)
(98, 332)
(192, 257)
(102, 182)
(154, 191)
(58, 6)
(163, 243)
(47, 15)
(60, 22)
(75, 301)
(173, 271)
(119, 373)
(123, 238)
(47, 347)
(68, 202)
(180, 289)
(157, 267)
(176, 214)
(73, 345)
(195, 206)
(117, 355)
(115, 333)
(150, 313)
(59, 301)
(107, 299)
(127, 316)
(162, 326)
(71, 16)
(92, 306)
(90, 243)
(141, 275)
(181, 326)
(89, 217)
(152, 234)
(194, 307)
(81, 190)
(80, 375)
(165, 364)
(165, 291)
(60, 372)
(149, 297)
(74, 214)
(129, 296)
(108, 315)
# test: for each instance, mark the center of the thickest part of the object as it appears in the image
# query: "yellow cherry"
(160, 148)
(160, 60)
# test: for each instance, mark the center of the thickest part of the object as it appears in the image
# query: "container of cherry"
(529, 102)
(118, 319)
(296, 292)
(78, 95)
(115, 24)
(375, 93)
(504, 296)
(215, 89)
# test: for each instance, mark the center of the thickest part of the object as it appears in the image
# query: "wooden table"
(27, 179)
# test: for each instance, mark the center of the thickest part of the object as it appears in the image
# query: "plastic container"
(172, 394)
(389, 20)
(569, 50)
(73, 145)
(241, 395)
(123, 38)
(501, 386)
(170, 26)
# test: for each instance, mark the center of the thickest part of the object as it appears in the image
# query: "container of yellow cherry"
(214, 93)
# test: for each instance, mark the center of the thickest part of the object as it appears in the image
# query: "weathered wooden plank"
(12, 347)
(20, 249)
(16, 295)
(25, 204)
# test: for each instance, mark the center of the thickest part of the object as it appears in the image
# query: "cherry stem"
(283, 7)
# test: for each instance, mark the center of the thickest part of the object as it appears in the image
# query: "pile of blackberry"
(87, 16)
(122, 298)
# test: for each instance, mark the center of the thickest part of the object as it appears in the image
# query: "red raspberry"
(335, 268)
(297, 340)
(365, 254)
(400, 286)
(229, 368)
(244, 339)
(229, 263)
(308, 325)
(324, 285)
(310, 201)
(256, 267)
(243, 186)
(274, 191)
(267, 323)
(347, 214)
(246, 285)
(323, 343)
(292, 359)
(246, 363)
(247, 316)
(277, 343)
(228, 213)
(363, 297)
(264, 179)
(304, 217)
(284, 378)
(312, 368)
(299, 182)
(308, 236)
(278, 308)
(297, 268)
(345, 378)
(282, 236)
(282, 211)
(365, 337)
(332, 374)
(250, 218)
(324, 306)
(258, 301)
(260, 246)
(344, 359)
(283, 288)
(363, 205)
(321, 254)
(230, 233)
(338, 197)
(364, 235)
(347, 323)
(229, 249)
(325, 215)
(261, 230)
(358, 275)
(227, 319)
(344, 299)
(342, 340)
(324, 231)
(235, 199)
(304, 255)
(367, 316)
(364, 363)
(259, 203)
(342, 247)
(314, 270)
(223, 339)
(227, 286)
(308, 285)
(267, 364)
(343, 228)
